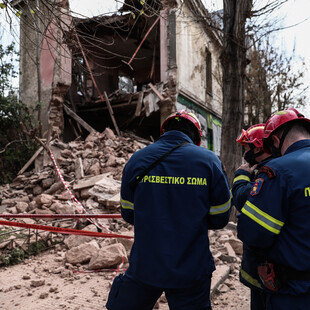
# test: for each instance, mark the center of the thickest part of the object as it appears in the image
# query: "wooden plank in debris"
(131, 103)
(154, 89)
(111, 112)
(88, 182)
(130, 99)
(79, 170)
(78, 119)
(29, 162)
(139, 104)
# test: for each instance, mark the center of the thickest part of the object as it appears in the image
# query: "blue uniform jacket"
(242, 185)
(276, 218)
(172, 209)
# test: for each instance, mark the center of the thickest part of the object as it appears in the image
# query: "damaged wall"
(192, 45)
(144, 65)
(45, 61)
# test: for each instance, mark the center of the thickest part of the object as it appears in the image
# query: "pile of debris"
(91, 171)
(85, 180)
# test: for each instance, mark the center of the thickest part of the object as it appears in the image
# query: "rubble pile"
(92, 170)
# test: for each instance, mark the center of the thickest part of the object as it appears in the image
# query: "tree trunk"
(233, 60)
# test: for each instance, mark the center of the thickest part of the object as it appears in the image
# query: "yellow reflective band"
(125, 204)
(249, 279)
(160, 179)
(262, 218)
(220, 208)
(258, 127)
(241, 177)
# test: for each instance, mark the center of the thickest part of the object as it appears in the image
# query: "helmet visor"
(243, 137)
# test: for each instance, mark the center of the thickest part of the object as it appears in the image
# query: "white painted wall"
(191, 44)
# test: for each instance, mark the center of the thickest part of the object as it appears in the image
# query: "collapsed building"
(127, 71)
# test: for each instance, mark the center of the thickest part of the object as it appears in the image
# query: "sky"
(297, 13)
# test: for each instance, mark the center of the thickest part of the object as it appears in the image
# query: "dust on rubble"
(65, 277)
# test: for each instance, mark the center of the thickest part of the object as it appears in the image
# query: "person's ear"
(276, 141)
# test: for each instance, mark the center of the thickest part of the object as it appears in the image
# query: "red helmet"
(187, 115)
(279, 119)
(253, 135)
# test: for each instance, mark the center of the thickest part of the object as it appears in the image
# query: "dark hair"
(185, 126)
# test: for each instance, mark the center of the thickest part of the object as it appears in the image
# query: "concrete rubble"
(92, 170)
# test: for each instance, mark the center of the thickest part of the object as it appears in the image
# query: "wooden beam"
(111, 112)
(106, 108)
(154, 89)
(139, 104)
(29, 162)
(78, 119)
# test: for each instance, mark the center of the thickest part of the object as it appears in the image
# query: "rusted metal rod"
(145, 36)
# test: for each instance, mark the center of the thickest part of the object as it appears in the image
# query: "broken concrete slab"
(109, 256)
(89, 182)
(218, 277)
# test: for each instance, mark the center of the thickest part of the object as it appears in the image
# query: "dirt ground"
(43, 282)
(232, 295)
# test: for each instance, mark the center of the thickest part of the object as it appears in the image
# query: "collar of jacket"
(264, 161)
(298, 145)
(177, 136)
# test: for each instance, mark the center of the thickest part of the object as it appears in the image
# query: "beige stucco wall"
(41, 51)
(191, 44)
(30, 41)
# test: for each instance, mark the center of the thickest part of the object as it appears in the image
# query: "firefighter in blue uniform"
(255, 157)
(275, 220)
(171, 207)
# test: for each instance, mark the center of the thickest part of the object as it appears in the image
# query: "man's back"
(174, 205)
(293, 170)
(281, 210)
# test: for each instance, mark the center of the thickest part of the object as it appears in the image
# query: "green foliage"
(7, 69)
(37, 248)
(15, 256)
(15, 147)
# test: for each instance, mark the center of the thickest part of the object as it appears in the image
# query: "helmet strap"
(250, 156)
(276, 152)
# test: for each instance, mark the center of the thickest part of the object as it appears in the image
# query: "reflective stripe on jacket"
(276, 217)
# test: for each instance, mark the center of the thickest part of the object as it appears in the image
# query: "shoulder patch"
(257, 187)
(270, 173)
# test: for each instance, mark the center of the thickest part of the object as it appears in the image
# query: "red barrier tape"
(61, 216)
(80, 208)
(68, 231)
